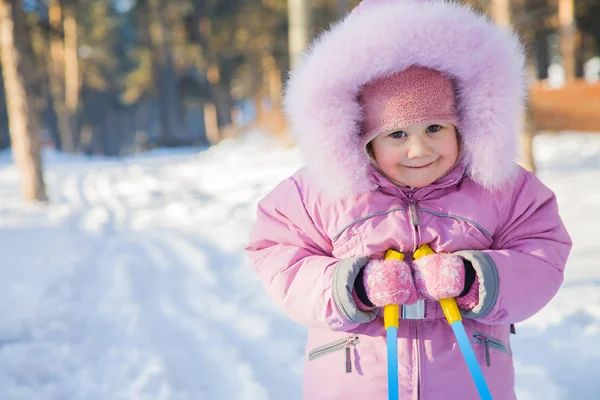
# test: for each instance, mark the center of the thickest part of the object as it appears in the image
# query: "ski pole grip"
(424, 250)
(450, 309)
(449, 306)
(391, 312)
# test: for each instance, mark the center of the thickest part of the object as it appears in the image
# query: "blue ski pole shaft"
(391, 318)
(472, 364)
(454, 318)
(392, 358)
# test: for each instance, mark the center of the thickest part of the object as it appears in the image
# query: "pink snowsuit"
(487, 209)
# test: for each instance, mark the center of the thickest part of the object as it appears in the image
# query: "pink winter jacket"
(487, 209)
(514, 238)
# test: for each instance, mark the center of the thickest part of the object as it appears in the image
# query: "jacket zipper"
(341, 344)
(488, 342)
(415, 220)
(418, 344)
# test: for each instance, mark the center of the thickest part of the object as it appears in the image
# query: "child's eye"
(433, 128)
(398, 134)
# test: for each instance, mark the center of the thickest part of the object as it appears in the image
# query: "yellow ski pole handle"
(455, 321)
(391, 312)
(449, 306)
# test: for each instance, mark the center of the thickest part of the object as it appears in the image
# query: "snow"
(133, 282)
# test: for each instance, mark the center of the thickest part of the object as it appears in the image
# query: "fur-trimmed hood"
(381, 37)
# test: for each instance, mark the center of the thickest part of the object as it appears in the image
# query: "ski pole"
(455, 320)
(391, 318)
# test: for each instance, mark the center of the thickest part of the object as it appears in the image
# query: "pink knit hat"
(412, 96)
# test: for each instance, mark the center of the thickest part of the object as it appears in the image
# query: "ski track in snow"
(158, 306)
(143, 291)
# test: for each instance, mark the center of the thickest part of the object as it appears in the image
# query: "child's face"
(417, 155)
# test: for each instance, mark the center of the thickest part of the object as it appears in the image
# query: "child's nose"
(417, 149)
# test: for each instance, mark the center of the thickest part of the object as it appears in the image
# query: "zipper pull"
(414, 215)
(352, 341)
(486, 342)
(348, 360)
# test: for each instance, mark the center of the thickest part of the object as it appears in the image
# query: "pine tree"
(23, 124)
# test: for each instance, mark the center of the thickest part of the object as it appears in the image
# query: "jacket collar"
(453, 177)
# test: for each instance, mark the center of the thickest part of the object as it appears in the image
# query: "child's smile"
(417, 155)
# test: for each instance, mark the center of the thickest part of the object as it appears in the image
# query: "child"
(408, 114)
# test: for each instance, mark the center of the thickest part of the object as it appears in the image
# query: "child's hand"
(439, 276)
(443, 275)
(386, 282)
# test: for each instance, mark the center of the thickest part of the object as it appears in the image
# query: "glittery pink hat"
(412, 96)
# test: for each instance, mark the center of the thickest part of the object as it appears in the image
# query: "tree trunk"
(566, 20)
(542, 54)
(527, 157)
(112, 134)
(51, 122)
(165, 76)
(275, 90)
(72, 84)
(258, 106)
(47, 112)
(220, 96)
(211, 124)
(500, 12)
(56, 67)
(214, 115)
(23, 126)
(4, 135)
(299, 16)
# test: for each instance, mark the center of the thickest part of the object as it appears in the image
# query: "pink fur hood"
(381, 37)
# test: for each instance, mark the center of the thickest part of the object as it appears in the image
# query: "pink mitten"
(439, 276)
(388, 282)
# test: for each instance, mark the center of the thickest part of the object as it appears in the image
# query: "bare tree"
(72, 82)
(500, 11)
(501, 14)
(56, 66)
(23, 124)
(566, 20)
(299, 16)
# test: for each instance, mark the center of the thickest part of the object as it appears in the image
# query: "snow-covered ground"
(133, 283)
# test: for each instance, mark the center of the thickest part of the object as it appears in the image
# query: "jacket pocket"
(483, 238)
(490, 342)
(352, 224)
(341, 344)
(350, 240)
